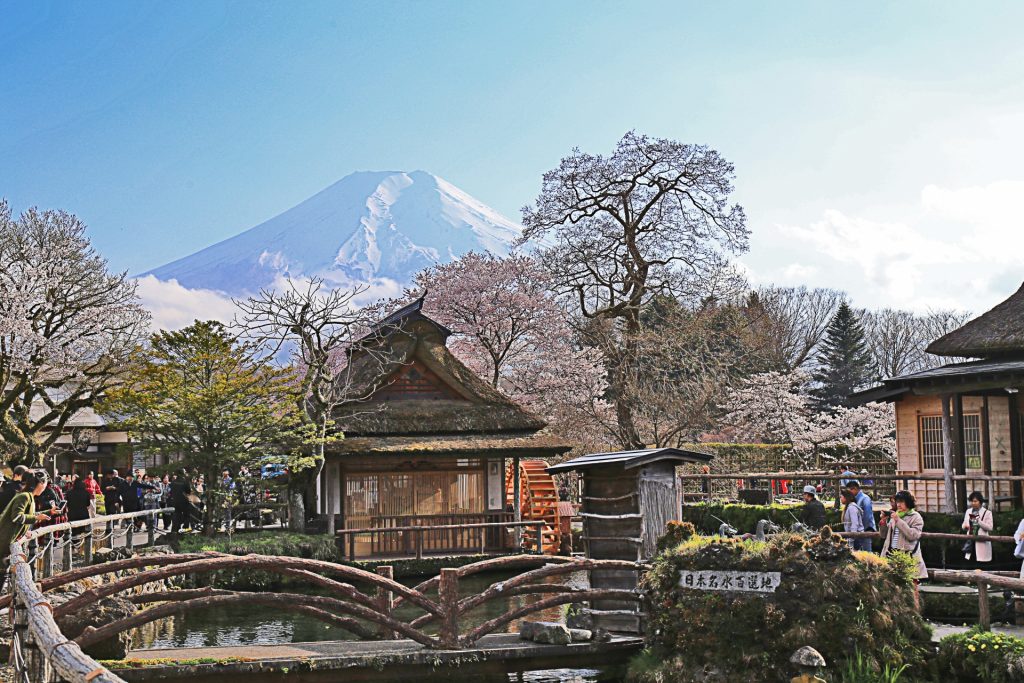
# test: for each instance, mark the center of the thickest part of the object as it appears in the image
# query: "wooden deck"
(368, 661)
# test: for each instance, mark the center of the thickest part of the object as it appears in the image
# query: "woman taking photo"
(853, 518)
(978, 521)
(19, 516)
(904, 534)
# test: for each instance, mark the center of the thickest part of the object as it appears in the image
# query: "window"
(931, 441)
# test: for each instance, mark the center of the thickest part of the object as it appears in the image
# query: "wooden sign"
(728, 580)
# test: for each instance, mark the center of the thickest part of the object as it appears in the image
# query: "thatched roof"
(465, 404)
(468, 445)
(1000, 332)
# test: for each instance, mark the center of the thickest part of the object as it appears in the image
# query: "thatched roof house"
(424, 437)
(998, 333)
(974, 403)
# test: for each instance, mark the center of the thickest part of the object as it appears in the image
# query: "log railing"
(982, 580)
(39, 651)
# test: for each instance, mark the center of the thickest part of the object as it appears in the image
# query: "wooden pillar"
(984, 617)
(329, 493)
(448, 601)
(960, 460)
(949, 500)
(986, 452)
(1016, 454)
(385, 602)
(517, 507)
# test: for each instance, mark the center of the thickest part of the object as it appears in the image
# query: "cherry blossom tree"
(776, 407)
(653, 218)
(67, 328)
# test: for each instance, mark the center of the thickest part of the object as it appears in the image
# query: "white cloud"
(174, 306)
(960, 248)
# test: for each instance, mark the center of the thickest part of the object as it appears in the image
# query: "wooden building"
(628, 499)
(426, 442)
(968, 412)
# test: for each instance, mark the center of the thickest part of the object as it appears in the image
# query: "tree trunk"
(629, 435)
(296, 509)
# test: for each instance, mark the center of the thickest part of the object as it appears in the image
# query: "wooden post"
(1016, 452)
(48, 552)
(110, 533)
(539, 531)
(87, 545)
(329, 497)
(949, 501)
(385, 602)
(151, 540)
(68, 559)
(419, 543)
(448, 600)
(984, 618)
(351, 546)
(517, 505)
(129, 535)
(960, 451)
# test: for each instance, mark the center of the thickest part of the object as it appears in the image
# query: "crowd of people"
(902, 526)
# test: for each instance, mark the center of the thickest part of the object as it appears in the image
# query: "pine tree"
(845, 363)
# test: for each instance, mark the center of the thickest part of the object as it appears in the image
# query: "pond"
(244, 624)
(247, 625)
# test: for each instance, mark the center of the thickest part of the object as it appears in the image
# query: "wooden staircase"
(538, 500)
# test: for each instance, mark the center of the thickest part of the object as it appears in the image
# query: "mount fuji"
(369, 227)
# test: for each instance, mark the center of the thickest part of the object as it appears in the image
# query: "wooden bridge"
(42, 654)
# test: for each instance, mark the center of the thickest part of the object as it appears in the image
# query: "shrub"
(675, 533)
(980, 656)
(843, 605)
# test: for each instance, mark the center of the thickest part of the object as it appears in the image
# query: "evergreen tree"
(845, 362)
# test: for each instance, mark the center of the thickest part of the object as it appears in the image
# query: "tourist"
(1018, 552)
(864, 502)
(905, 527)
(853, 517)
(80, 504)
(52, 500)
(19, 515)
(849, 474)
(978, 521)
(813, 514)
(180, 491)
(93, 487)
(112, 487)
(12, 486)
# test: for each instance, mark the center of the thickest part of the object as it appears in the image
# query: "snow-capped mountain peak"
(368, 226)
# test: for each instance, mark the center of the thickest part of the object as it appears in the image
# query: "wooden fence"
(417, 539)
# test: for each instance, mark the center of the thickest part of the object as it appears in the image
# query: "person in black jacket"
(79, 499)
(11, 487)
(112, 486)
(813, 514)
(181, 489)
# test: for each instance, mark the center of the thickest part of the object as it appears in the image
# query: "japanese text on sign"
(727, 580)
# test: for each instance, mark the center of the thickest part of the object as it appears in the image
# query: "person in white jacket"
(1018, 536)
(978, 521)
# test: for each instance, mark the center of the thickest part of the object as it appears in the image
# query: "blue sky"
(877, 146)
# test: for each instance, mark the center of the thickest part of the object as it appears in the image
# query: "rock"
(579, 619)
(96, 615)
(600, 635)
(807, 657)
(547, 632)
(580, 635)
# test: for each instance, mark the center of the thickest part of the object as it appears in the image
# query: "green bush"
(839, 602)
(675, 533)
(980, 656)
(287, 543)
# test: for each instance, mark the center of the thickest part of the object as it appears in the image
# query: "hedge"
(980, 656)
(745, 518)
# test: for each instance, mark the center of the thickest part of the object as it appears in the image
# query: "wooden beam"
(986, 447)
(960, 451)
(948, 467)
(1016, 455)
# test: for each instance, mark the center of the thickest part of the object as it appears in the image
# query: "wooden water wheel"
(538, 500)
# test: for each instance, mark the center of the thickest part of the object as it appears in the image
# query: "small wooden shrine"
(628, 499)
(426, 442)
